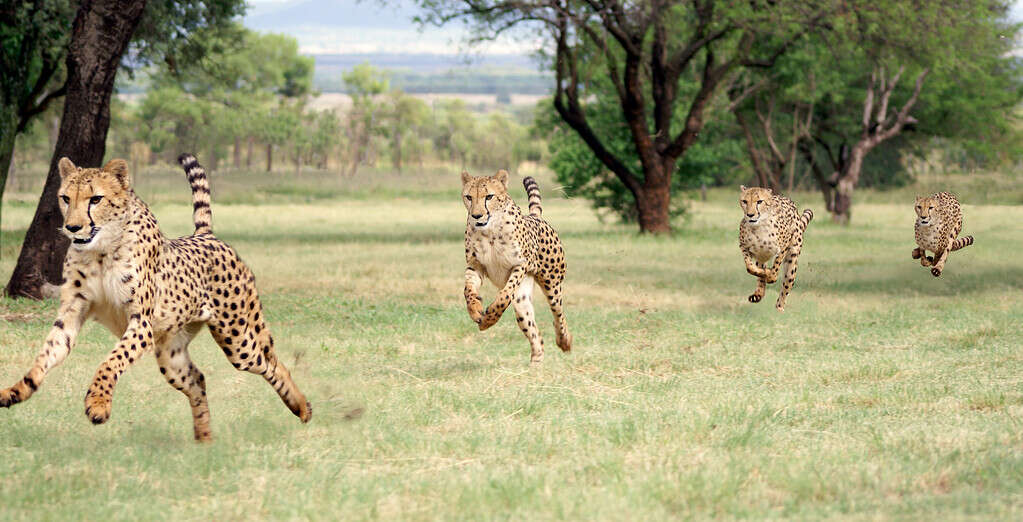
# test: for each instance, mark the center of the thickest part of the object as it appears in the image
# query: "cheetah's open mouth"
(481, 224)
(86, 240)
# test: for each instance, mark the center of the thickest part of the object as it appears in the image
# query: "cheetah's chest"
(761, 241)
(497, 254)
(930, 237)
(111, 295)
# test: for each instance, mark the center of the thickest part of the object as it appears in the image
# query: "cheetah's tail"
(201, 214)
(806, 218)
(962, 242)
(533, 193)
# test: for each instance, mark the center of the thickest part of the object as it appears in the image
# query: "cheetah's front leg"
(136, 340)
(504, 298)
(61, 339)
(939, 262)
(921, 254)
(758, 294)
(473, 303)
(753, 267)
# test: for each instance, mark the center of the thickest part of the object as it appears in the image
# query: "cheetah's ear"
(743, 188)
(65, 167)
(502, 176)
(466, 178)
(119, 168)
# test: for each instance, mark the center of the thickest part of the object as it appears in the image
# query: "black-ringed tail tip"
(202, 216)
(533, 194)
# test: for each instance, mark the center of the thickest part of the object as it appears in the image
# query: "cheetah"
(938, 221)
(513, 250)
(154, 293)
(770, 228)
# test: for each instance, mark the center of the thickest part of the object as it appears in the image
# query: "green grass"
(881, 393)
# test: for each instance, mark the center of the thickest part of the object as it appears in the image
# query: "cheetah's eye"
(468, 198)
(65, 199)
(95, 199)
(759, 201)
(490, 197)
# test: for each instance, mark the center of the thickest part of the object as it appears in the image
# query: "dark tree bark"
(99, 37)
(269, 157)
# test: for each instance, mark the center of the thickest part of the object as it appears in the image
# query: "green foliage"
(716, 159)
(966, 99)
(183, 32)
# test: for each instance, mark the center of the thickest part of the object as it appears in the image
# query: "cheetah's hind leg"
(524, 315)
(247, 343)
(555, 298)
(184, 376)
(791, 264)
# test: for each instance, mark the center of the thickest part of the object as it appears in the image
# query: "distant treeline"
(452, 81)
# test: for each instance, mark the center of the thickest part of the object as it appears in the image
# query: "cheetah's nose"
(477, 216)
(749, 215)
(73, 228)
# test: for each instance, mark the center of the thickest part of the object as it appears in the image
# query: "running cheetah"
(770, 228)
(512, 249)
(938, 221)
(153, 293)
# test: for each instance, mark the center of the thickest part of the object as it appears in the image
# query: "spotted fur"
(154, 293)
(512, 250)
(771, 228)
(939, 219)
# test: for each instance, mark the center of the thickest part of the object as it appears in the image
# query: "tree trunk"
(248, 155)
(845, 184)
(237, 152)
(653, 207)
(99, 36)
(397, 151)
(269, 157)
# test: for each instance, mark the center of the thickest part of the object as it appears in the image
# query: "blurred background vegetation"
(251, 101)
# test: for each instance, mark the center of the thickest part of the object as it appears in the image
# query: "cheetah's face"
(484, 197)
(94, 202)
(926, 211)
(754, 203)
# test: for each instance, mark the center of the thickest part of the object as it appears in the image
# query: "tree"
(33, 42)
(363, 84)
(100, 35)
(403, 117)
(644, 48)
(232, 91)
(879, 69)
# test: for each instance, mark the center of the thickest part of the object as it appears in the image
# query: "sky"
(367, 26)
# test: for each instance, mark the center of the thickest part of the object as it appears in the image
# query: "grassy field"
(881, 393)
